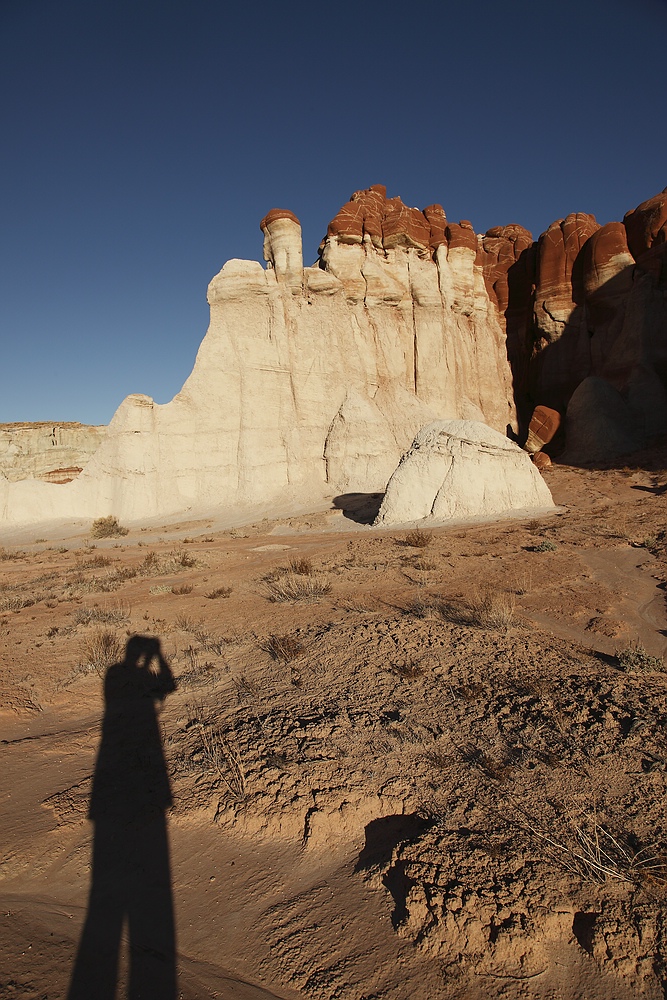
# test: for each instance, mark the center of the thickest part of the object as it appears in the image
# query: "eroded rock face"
(311, 380)
(51, 452)
(500, 248)
(458, 469)
(646, 225)
(282, 245)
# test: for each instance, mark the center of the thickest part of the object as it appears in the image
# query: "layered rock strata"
(51, 452)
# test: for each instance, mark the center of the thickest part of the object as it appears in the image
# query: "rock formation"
(309, 381)
(52, 452)
(589, 300)
(461, 469)
(314, 380)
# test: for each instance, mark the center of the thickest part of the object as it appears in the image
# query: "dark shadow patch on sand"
(360, 507)
(386, 833)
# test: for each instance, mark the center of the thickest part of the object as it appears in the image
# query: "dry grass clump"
(418, 539)
(5, 554)
(282, 647)
(590, 851)
(292, 586)
(100, 649)
(185, 588)
(117, 614)
(301, 566)
(213, 595)
(96, 562)
(153, 565)
(636, 658)
(123, 574)
(14, 602)
(424, 564)
(490, 609)
(108, 527)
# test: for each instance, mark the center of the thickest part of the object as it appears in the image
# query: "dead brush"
(418, 539)
(292, 587)
(301, 566)
(210, 643)
(219, 753)
(14, 602)
(118, 614)
(490, 609)
(153, 565)
(107, 527)
(96, 562)
(187, 623)
(214, 595)
(282, 648)
(593, 853)
(6, 554)
(185, 588)
(407, 669)
(100, 650)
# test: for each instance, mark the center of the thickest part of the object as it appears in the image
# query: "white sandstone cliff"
(309, 382)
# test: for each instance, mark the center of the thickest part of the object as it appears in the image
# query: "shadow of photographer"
(131, 875)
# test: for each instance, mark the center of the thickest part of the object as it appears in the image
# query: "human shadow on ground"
(131, 877)
(360, 507)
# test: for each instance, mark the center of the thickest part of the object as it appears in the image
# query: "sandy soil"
(397, 770)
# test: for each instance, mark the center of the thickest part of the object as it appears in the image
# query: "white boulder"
(457, 469)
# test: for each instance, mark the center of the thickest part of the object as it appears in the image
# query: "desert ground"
(403, 763)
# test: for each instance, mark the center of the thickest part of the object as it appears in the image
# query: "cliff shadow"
(360, 507)
(609, 333)
(131, 876)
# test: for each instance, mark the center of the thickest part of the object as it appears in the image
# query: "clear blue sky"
(143, 140)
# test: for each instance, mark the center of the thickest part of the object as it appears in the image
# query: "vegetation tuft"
(418, 539)
(636, 658)
(108, 527)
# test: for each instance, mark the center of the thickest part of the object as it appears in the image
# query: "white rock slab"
(457, 469)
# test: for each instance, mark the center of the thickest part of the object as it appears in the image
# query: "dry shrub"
(153, 565)
(424, 564)
(5, 554)
(294, 587)
(213, 595)
(418, 539)
(117, 614)
(637, 659)
(100, 649)
(13, 602)
(491, 609)
(124, 574)
(282, 647)
(187, 623)
(301, 566)
(97, 562)
(185, 588)
(149, 565)
(107, 527)
(408, 669)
